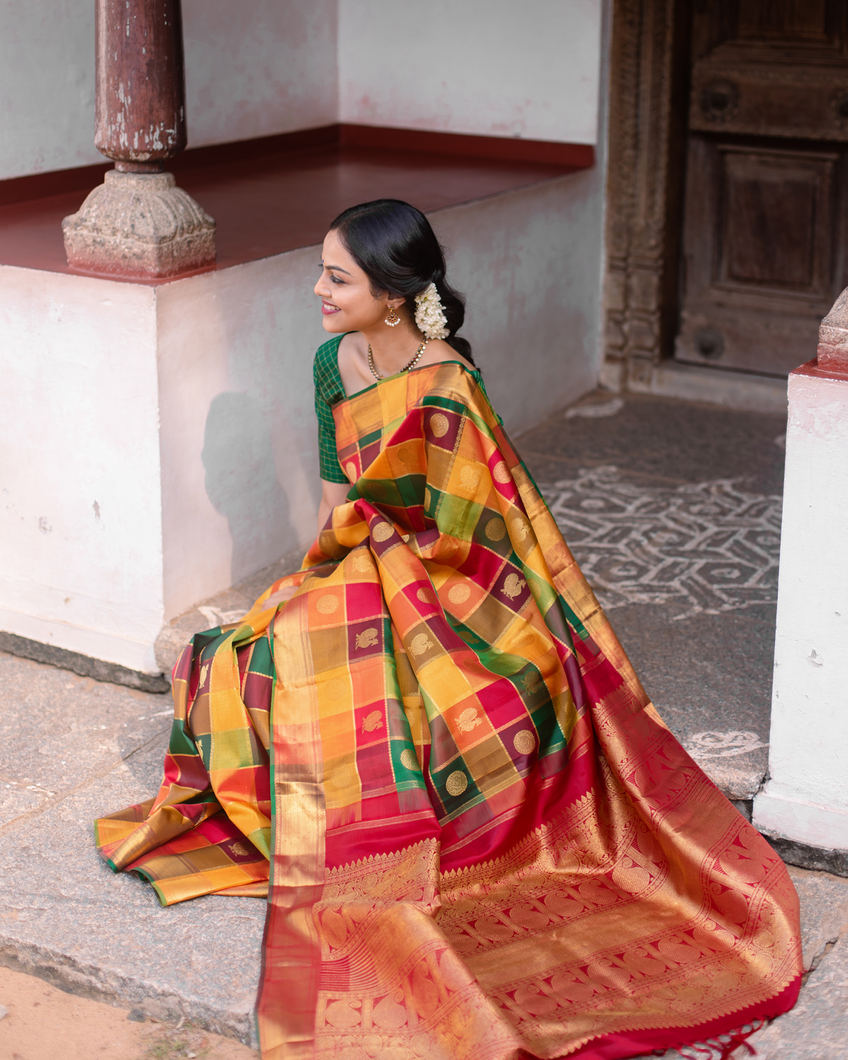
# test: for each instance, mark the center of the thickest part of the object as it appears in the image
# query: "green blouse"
(329, 391)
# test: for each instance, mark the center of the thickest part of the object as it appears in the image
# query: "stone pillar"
(138, 222)
(804, 804)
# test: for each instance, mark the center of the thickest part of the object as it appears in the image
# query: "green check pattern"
(329, 391)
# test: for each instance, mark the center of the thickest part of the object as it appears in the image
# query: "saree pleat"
(481, 840)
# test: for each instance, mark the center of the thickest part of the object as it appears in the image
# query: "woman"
(482, 840)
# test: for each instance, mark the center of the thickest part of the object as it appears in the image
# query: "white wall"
(491, 67)
(238, 437)
(806, 797)
(529, 266)
(46, 86)
(80, 520)
(258, 67)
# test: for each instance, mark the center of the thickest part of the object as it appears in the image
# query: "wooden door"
(766, 201)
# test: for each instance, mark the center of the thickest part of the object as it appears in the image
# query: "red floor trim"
(501, 148)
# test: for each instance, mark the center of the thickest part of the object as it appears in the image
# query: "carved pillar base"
(139, 224)
(832, 352)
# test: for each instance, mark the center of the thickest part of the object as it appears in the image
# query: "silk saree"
(477, 838)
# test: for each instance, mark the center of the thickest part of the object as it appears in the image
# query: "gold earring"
(392, 318)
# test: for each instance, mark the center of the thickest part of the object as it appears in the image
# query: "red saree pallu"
(483, 842)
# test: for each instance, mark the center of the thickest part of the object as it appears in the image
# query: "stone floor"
(672, 508)
(673, 511)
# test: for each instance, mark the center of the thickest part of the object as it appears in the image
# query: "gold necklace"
(405, 368)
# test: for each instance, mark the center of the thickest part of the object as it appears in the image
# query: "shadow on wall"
(241, 482)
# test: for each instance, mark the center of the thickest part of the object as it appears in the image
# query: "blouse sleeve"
(328, 392)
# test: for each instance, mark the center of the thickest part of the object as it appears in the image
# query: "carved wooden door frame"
(645, 148)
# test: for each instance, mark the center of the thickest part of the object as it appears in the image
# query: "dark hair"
(395, 246)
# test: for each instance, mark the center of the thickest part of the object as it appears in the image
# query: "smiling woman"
(381, 283)
(347, 300)
(428, 749)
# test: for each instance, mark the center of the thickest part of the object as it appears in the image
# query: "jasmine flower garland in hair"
(430, 316)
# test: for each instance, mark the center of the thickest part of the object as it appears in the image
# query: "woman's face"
(347, 302)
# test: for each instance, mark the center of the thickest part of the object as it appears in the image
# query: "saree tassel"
(737, 1039)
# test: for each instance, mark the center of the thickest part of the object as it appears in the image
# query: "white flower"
(430, 316)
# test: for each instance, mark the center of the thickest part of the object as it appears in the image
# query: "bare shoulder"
(438, 351)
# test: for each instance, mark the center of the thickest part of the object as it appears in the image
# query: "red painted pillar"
(140, 106)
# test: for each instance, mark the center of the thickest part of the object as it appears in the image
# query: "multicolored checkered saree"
(483, 842)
